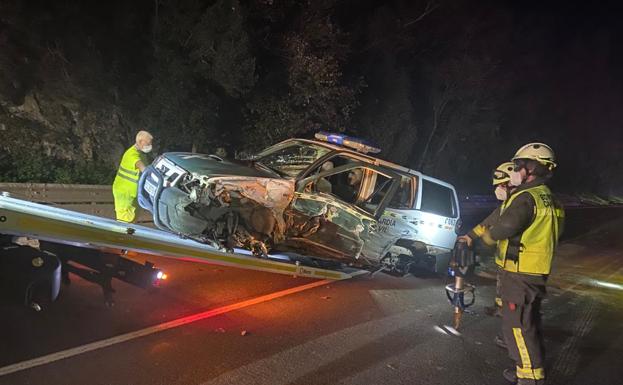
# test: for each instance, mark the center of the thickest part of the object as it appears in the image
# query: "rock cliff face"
(68, 129)
(57, 129)
(52, 114)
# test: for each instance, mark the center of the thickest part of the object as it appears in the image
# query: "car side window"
(331, 163)
(438, 199)
(293, 159)
(404, 198)
(343, 184)
(346, 184)
(373, 196)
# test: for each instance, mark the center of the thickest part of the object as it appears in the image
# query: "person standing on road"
(527, 232)
(125, 186)
(501, 181)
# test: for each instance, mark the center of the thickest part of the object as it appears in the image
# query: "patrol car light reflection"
(609, 285)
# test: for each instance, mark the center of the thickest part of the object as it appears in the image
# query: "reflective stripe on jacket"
(128, 174)
(538, 242)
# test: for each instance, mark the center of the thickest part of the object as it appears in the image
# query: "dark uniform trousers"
(521, 322)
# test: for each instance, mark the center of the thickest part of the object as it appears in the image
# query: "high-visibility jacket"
(538, 242)
(126, 180)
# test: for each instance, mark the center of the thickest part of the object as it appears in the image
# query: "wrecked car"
(327, 200)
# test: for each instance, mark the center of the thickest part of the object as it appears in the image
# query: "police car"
(328, 199)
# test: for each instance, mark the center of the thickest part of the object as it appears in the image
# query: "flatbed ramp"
(25, 218)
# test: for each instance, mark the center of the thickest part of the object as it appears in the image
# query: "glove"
(467, 239)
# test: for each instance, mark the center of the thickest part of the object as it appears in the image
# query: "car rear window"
(437, 199)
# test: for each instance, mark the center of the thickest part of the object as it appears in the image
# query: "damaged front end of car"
(258, 214)
(226, 212)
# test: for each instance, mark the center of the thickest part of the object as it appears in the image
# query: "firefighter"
(527, 232)
(125, 186)
(501, 182)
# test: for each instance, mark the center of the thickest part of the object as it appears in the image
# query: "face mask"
(146, 149)
(516, 179)
(501, 193)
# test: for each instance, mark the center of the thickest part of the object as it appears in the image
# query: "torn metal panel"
(270, 197)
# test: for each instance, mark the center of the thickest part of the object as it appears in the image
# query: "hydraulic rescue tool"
(461, 264)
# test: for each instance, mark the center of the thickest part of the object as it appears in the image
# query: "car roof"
(372, 159)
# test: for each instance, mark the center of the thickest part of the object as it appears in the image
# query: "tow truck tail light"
(161, 276)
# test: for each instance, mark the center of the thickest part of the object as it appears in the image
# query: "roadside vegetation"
(429, 81)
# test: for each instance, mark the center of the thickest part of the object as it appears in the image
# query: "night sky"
(566, 66)
(561, 65)
(523, 71)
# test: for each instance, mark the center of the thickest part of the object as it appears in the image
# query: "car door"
(334, 213)
(437, 213)
(382, 187)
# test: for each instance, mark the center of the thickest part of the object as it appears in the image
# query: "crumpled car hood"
(275, 194)
(205, 165)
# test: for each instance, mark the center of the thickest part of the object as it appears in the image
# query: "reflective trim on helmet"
(500, 177)
(502, 173)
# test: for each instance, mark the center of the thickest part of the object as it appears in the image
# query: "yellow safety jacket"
(126, 180)
(539, 240)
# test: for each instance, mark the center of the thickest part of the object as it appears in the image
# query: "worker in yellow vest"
(125, 186)
(527, 232)
(501, 182)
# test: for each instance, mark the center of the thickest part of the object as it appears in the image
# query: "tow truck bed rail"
(24, 218)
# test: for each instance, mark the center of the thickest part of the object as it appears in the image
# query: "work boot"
(499, 341)
(510, 375)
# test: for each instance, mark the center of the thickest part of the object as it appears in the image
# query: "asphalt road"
(241, 327)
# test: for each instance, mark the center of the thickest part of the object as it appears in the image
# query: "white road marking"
(452, 330)
(43, 360)
(303, 360)
(578, 282)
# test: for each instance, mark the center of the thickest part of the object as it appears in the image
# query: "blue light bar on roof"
(348, 141)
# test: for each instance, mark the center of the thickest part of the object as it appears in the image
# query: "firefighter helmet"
(502, 173)
(540, 152)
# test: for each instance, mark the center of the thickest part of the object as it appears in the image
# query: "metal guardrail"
(88, 199)
(98, 199)
(476, 202)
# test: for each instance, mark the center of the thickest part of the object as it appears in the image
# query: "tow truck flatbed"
(35, 220)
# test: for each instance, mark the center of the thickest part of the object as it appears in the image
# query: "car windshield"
(290, 159)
